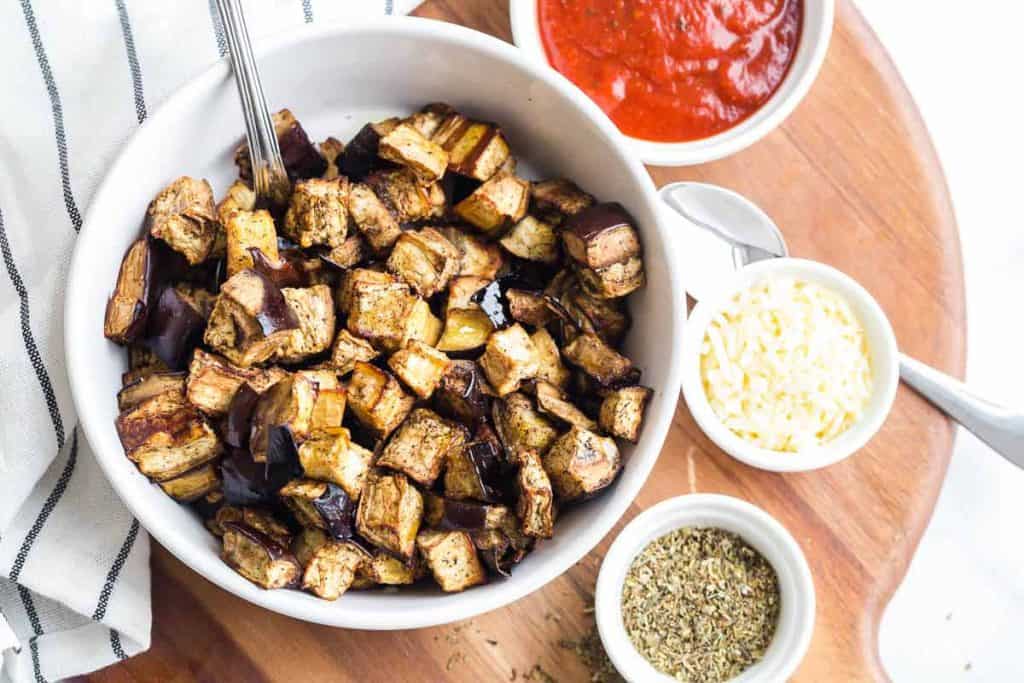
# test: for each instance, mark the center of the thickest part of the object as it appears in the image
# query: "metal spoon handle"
(270, 180)
(1000, 428)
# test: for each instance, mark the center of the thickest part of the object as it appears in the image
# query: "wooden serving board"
(853, 181)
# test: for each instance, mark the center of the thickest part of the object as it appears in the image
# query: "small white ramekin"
(755, 526)
(815, 35)
(884, 361)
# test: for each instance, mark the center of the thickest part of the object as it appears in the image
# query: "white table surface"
(959, 615)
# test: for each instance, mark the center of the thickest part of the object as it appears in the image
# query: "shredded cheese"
(786, 365)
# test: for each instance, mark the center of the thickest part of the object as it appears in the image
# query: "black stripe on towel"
(58, 113)
(218, 29)
(389, 7)
(37, 628)
(115, 571)
(26, 336)
(133, 60)
(307, 11)
(115, 645)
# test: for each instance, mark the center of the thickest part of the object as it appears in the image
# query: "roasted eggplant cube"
(348, 349)
(390, 571)
(465, 329)
(552, 401)
(360, 280)
(334, 457)
(389, 514)
(247, 230)
(183, 215)
(600, 361)
(422, 325)
(307, 542)
(361, 153)
(331, 150)
(536, 504)
(128, 307)
(429, 119)
(213, 381)
(476, 149)
(237, 335)
(509, 359)
(331, 398)
(165, 437)
(259, 558)
(614, 281)
(580, 463)
(622, 412)
(476, 471)
(605, 250)
(322, 505)
(377, 399)
(147, 387)
(420, 367)
(424, 259)
(460, 395)
(528, 307)
(559, 196)
(142, 363)
(239, 197)
(301, 157)
(534, 240)
(461, 290)
(313, 308)
(331, 568)
(419, 447)
(521, 428)
(317, 213)
(496, 205)
(549, 366)
(257, 518)
(353, 251)
(289, 403)
(452, 559)
(373, 219)
(604, 317)
(407, 146)
(192, 485)
(459, 515)
(175, 328)
(405, 197)
(380, 313)
(476, 257)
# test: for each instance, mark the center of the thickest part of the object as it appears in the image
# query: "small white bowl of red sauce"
(685, 81)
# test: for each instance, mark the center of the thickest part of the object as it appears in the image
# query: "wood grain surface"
(853, 181)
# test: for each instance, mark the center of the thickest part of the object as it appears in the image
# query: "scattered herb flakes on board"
(700, 604)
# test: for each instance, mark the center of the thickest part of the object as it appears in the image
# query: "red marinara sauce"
(673, 70)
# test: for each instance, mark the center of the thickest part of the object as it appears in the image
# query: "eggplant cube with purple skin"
(213, 381)
(313, 309)
(552, 401)
(245, 231)
(320, 504)
(476, 149)
(420, 366)
(549, 367)
(289, 403)
(560, 197)
(419, 447)
(580, 463)
(605, 250)
(600, 361)
(183, 215)
(301, 157)
(256, 518)
(258, 557)
(475, 471)
(361, 155)
(390, 511)
(476, 257)
(147, 387)
(380, 313)
(460, 394)
(331, 399)
(509, 359)
(334, 457)
(622, 412)
(250, 320)
(536, 503)
(425, 259)
(349, 349)
(452, 559)
(372, 217)
(407, 146)
(376, 399)
(317, 213)
(128, 307)
(403, 194)
(534, 240)
(331, 568)
(521, 428)
(496, 205)
(192, 485)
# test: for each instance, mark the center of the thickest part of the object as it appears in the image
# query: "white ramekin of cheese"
(791, 367)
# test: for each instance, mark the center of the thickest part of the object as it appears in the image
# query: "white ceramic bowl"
(756, 527)
(814, 39)
(334, 79)
(884, 360)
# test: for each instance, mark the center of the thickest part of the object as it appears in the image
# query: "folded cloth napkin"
(78, 79)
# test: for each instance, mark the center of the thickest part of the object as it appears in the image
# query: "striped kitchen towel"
(79, 77)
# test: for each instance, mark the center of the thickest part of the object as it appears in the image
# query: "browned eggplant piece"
(429, 119)
(536, 502)
(521, 428)
(622, 412)
(552, 401)
(380, 313)
(142, 363)
(581, 463)
(476, 257)
(605, 250)
(174, 329)
(353, 251)
(461, 290)
(600, 361)
(128, 307)
(331, 568)
(389, 513)
(476, 149)
(458, 515)
(192, 485)
(549, 361)
(407, 146)
(321, 504)
(207, 506)
(422, 325)
(559, 196)
(478, 471)
(390, 571)
(289, 403)
(377, 399)
(331, 399)
(313, 310)
(361, 153)
(424, 259)
(405, 197)
(465, 329)
(528, 307)
(359, 281)
(534, 240)
(199, 298)
(495, 301)
(420, 367)
(213, 381)
(246, 231)
(419, 447)
(239, 197)
(495, 551)
(317, 213)
(301, 157)
(460, 395)
(334, 457)
(184, 217)
(496, 205)
(259, 518)
(166, 437)
(147, 387)
(509, 359)
(603, 317)
(452, 559)
(238, 422)
(247, 482)
(373, 219)
(348, 349)
(307, 542)
(262, 300)
(331, 150)
(259, 558)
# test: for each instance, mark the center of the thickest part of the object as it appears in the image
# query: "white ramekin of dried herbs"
(705, 588)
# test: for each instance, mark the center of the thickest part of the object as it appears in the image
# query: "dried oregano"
(700, 604)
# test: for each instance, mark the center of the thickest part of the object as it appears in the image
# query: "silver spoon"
(755, 237)
(270, 180)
